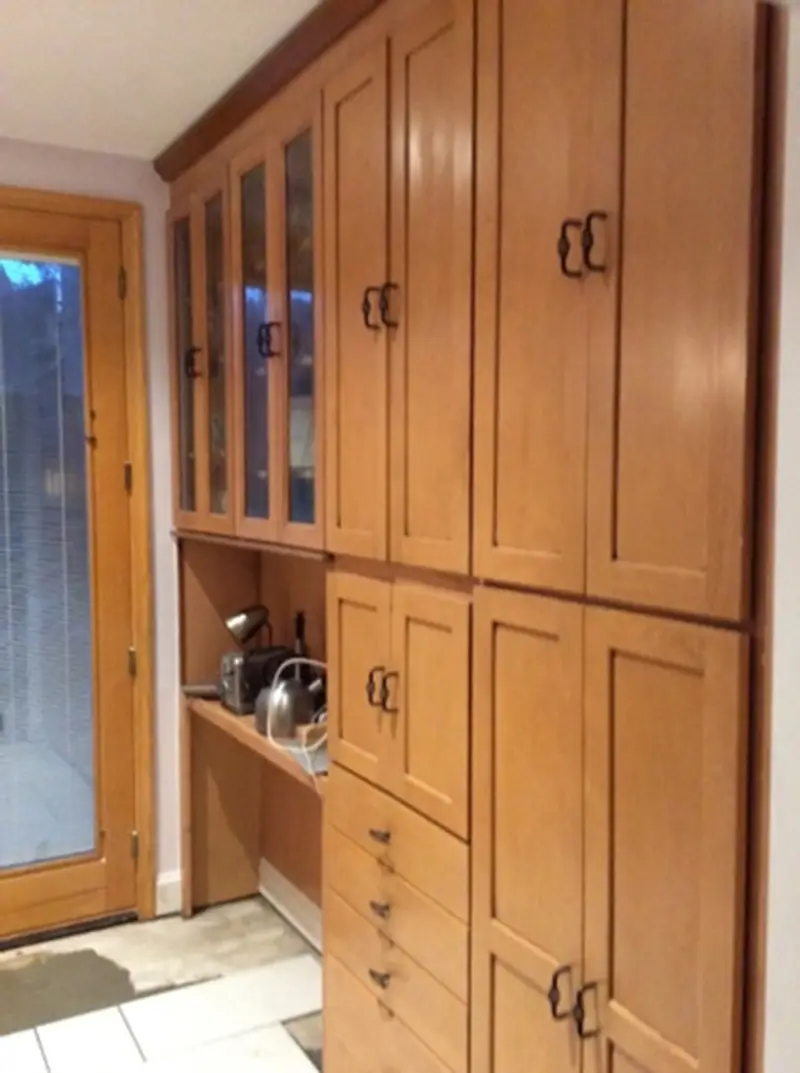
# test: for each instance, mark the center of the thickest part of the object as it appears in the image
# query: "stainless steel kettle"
(291, 703)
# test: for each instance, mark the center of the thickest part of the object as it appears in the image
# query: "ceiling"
(127, 76)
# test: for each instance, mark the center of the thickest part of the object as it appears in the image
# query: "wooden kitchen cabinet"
(531, 346)
(527, 839)
(672, 327)
(201, 367)
(665, 813)
(276, 222)
(399, 695)
(398, 140)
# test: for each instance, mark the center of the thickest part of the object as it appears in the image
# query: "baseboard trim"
(168, 894)
(291, 903)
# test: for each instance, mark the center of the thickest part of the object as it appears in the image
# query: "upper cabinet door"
(527, 831)
(666, 799)
(356, 335)
(672, 315)
(202, 369)
(358, 644)
(298, 175)
(429, 298)
(531, 348)
(256, 350)
(427, 703)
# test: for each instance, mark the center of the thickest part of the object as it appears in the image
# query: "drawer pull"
(554, 995)
(565, 248)
(385, 695)
(382, 979)
(366, 308)
(386, 290)
(588, 241)
(384, 837)
(579, 1012)
(382, 910)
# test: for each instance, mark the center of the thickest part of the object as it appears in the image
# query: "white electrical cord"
(320, 717)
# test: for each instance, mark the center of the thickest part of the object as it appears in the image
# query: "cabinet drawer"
(362, 1036)
(406, 916)
(423, 1004)
(429, 858)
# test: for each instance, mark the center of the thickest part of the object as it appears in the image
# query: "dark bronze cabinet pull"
(366, 308)
(265, 347)
(554, 995)
(380, 909)
(565, 248)
(377, 835)
(385, 696)
(190, 363)
(371, 687)
(579, 1012)
(386, 290)
(588, 241)
(382, 979)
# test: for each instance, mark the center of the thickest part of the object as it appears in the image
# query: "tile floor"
(233, 1024)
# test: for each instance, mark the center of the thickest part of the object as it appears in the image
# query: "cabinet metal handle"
(377, 835)
(554, 994)
(382, 910)
(264, 339)
(371, 688)
(385, 694)
(382, 979)
(565, 247)
(386, 290)
(588, 240)
(190, 363)
(579, 1012)
(366, 308)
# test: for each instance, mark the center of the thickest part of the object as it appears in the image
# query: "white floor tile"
(96, 1042)
(179, 1020)
(20, 1052)
(266, 1050)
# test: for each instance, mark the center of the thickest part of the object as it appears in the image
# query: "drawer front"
(406, 916)
(363, 1036)
(423, 1004)
(431, 860)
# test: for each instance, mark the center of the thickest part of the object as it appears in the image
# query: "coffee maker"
(246, 671)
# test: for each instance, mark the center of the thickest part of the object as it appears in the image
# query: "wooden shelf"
(243, 544)
(242, 728)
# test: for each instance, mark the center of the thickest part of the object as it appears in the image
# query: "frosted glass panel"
(47, 796)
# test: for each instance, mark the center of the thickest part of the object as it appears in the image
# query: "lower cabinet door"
(666, 733)
(527, 849)
(359, 625)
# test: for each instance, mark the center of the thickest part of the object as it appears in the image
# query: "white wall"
(782, 1054)
(73, 171)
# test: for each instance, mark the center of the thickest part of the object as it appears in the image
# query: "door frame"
(129, 215)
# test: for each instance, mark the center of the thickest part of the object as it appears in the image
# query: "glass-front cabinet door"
(301, 395)
(201, 360)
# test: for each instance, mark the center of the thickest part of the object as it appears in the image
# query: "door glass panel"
(300, 284)
(215, 341)
(185, 357)
(254, 319)
(47, 795)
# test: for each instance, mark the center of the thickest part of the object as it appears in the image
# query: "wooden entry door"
(66, 692)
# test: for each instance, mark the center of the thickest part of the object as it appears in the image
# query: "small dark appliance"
(245, 673)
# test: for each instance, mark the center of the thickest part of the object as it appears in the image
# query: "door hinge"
(132, 661)
(135, 846)
(122, 283)
(127, 470)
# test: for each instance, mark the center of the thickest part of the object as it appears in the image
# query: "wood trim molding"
(306, 43)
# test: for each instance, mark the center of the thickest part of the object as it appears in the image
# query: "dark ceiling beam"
(314, 35)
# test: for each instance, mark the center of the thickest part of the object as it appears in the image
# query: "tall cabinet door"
(356, 335)
(527, 839)
(429, 703)
(255, 347)
(184, 364)
(672, 317)
(531, 342)
(666, 737)
(358, 644)
(430, 293)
